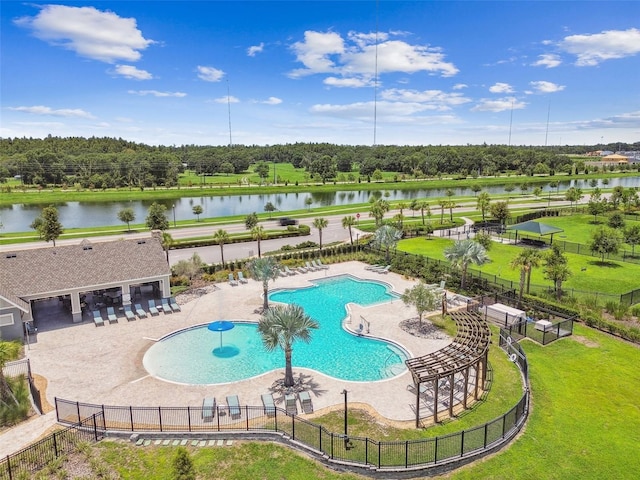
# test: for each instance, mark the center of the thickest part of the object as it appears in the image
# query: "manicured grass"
(589, 275)
(585, 421)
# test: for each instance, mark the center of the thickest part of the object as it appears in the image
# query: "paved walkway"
(103, 365)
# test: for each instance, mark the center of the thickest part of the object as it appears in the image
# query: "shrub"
(635, 310)
(179, 281)
(183, 465)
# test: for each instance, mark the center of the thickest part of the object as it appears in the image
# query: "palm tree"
(483, 203)
(258, 233)
(167, 243)
(221, 237)
(320, 223)
(464, 252)
(264, 270)
(526, 260)
(348, 222)
(443, 204)
(385, 237)
(425, 206)
(282, 325)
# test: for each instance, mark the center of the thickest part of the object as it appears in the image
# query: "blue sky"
(265, 73)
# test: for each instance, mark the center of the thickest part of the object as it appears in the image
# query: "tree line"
(114, 162)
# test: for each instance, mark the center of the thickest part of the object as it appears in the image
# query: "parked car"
(288, 221)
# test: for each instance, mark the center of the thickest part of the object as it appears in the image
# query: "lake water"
(18, 217)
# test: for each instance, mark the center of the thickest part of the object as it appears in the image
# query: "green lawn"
(588, 274)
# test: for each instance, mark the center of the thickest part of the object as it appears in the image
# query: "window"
(6, 319)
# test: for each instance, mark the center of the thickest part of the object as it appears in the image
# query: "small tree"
(308, 202)
(596, 205)
(264, 270)
(281, 326)
(251, 221)
(605, 241)
(183, 468)
(616, 220)
(156, 219)
(320, 224)
(197, 211)
(262, 169)
(269, 208)
(189, 268)
(632, 237)
(573, 195)
(421, 297)
(556, 269)
(127, 215)
(500, 211)
(483, 204)
(48, 226)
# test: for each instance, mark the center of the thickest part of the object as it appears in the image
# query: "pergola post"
(451, 383)
(466, 387)
(435, 400)
(417, 404)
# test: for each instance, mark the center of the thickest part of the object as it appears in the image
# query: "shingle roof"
(52, 269)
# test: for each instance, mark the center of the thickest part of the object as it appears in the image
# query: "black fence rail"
(543, 335)
(24, 463)
(356, 452)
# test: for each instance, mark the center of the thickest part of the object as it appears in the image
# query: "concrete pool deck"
(103, 365)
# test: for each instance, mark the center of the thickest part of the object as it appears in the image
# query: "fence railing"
(23, 367)
(24, 463)
(359, 452)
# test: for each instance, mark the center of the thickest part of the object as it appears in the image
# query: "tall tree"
(283, 325)
(221, 237)
(632, 237)
(50, 228)
(348, 222)
(264, 270)
(258, 233)
(167, 243)
(424, 207)
(127, 215)
(386, 237)
(483, 203)
(464, 252)
(421, 297)
(500, 211)
(320, 224)
(596, 205)
(526, 260)
(156, 218)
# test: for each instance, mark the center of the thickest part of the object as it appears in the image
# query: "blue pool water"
(194, 355)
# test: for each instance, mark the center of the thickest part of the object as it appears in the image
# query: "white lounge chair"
(269, 405)
(316, 264)
(152, 308)
(129, 313)
(166, 308)
(141, 312)
(208, 408)
(302, 269)
(232, 281)
(288, 271)
(384, 270)
(290, 404)
(310, 267)
(233, 404)
(305, 402)
(322, 265)
(241, 278)
(174, 305)
(373, 267)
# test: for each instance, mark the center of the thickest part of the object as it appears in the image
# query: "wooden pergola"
(469, 349)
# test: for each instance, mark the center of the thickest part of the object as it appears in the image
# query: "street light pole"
(174, 215)
(344, 392)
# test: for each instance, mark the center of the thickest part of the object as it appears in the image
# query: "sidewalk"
(24, 434)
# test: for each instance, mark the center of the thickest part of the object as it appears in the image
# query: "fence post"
(78, 409)
(189, 417)
(275, 419)
(9, 467)
(435, 452)
(406, 454)
(462, 443)
(504, 425)
(131, 416)
(55, 444)
(246, 412)
(160, 417)
(379, 454)
(95, 428)
(486, 426)
(320, 437)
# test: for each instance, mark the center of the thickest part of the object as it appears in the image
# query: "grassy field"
(588, 274)
(584, 424)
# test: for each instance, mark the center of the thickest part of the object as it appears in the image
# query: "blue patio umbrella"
(220, 326)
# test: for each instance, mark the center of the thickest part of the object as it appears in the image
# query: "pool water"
(194, 355)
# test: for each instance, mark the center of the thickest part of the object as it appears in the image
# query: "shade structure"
(536, 228)
(220, 326)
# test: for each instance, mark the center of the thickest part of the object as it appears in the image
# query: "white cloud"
(592, 49)
(355, 57)
(227, 99)
(272, 101)
(460, 86)
(501, 88)
(209, 74)
(251, 51)
(435, 99)
(89, 32)
(156, 93)
(548, 60)
(132, 72)
(498, 105)
(624, 120)
(62, 112)
(352, 82)
(542, 86)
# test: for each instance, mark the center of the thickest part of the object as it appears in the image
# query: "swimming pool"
(188, 356)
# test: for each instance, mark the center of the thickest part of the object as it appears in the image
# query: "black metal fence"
(541, 334)
(338, 448)
(27, 461)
